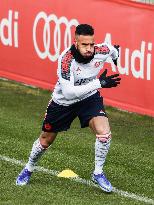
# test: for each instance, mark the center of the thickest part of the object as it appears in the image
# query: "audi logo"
(57, 35)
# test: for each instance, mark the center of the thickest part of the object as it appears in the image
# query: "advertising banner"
(34, 33)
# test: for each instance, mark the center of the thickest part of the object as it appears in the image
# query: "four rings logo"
(57, 35)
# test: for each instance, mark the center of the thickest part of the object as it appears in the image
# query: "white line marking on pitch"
(82, 181)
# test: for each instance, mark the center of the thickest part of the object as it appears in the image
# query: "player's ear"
(75, 42)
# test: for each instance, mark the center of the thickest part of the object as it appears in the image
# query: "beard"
(80, 58)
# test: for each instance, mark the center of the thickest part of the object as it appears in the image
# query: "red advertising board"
(33, 34)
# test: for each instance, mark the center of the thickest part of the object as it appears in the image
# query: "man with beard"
(76, 95)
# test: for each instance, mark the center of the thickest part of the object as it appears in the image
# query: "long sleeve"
(77, 81)
(70, 91)
(106, 49)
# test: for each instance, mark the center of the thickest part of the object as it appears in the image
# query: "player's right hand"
(109, 81)
(117, 48)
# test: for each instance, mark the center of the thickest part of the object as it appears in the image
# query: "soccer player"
(76, 95)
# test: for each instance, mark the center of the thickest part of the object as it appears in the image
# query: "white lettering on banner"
(57, 34)
(144, 70)
(9, 29)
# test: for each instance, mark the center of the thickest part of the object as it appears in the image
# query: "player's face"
(85, 45)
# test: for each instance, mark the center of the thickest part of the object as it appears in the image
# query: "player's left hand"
(109, 81)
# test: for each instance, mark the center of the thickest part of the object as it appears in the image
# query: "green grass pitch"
(129, 166)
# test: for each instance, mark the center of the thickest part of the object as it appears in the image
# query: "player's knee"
(104, 137)
(47, 138)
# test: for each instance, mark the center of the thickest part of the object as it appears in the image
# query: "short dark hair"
(84, 29)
